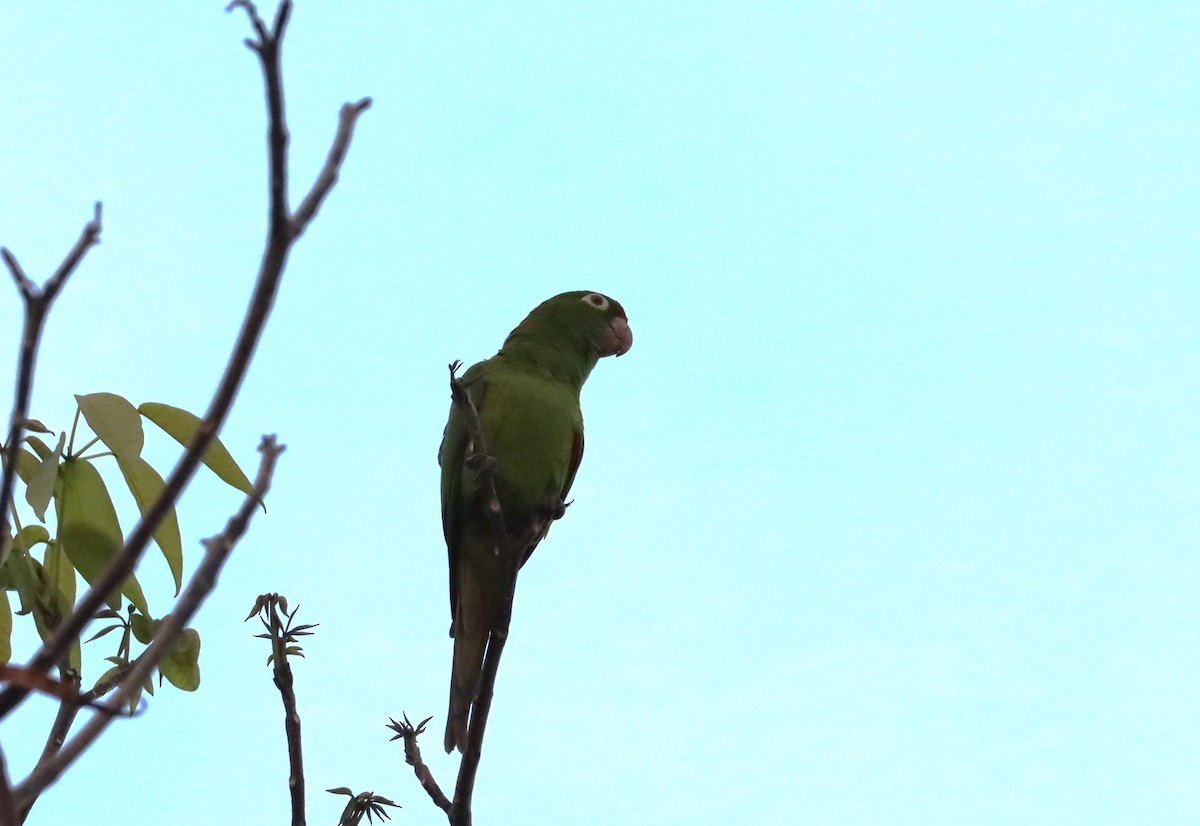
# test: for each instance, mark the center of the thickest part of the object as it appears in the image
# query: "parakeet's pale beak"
(618, 338)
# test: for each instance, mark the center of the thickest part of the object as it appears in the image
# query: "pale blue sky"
(891, 514)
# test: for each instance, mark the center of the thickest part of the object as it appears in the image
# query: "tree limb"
(201, 583)
(282, 233)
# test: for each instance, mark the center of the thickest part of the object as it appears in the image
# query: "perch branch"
(216, 552)
(281, 235)
(460, 812)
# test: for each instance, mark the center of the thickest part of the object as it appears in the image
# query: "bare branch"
(333, 164)
(24, 285)
(280, 237)
(8, 803)
(37, 307)
(257, 22)
(412, 756)
(89, 238)
(216, 552)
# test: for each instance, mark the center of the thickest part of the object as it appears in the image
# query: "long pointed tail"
(470, 640)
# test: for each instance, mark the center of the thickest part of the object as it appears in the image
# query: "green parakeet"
(527, 396)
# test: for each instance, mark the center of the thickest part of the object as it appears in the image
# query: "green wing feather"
(451, 455)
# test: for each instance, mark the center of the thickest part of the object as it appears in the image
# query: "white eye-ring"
(596, 300)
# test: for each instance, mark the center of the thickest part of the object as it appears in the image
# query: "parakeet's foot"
(554, 509)
(480, 463)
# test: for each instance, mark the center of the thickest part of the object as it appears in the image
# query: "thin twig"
(216, 552)
(412, 756)
(37, 306)
(333, 164)
(281, 235)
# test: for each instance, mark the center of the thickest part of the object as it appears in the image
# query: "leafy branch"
(90, 542)
(366, 804)
(217, 550)
(285, 226)
(272, 611)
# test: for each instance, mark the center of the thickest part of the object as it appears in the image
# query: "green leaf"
(60, 592)
(145, 484)
(41, 483)
(36, 426)
(6, 624)
(181, 426)
(17, 569)
(27, 537)
(115, 421)
(134, 699)
(27, 464)
(61, 576)
(182, 664)
(103, 632)
(24, 579)
(143, 628)
(45, 606)
(39, 447)
(106, 674)
(31, 535)
(88, 529)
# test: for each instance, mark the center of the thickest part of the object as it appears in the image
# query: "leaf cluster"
(272, 612)
(42, 568)
(366, 804)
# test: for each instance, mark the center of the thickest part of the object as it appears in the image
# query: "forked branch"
(284, 228)
(37, 304)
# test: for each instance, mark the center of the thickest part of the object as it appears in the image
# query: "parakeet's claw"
(553, 509)
(480, 463)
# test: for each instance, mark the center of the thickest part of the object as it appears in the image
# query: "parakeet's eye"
(596, 300)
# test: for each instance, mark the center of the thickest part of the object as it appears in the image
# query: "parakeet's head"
(592, 320)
